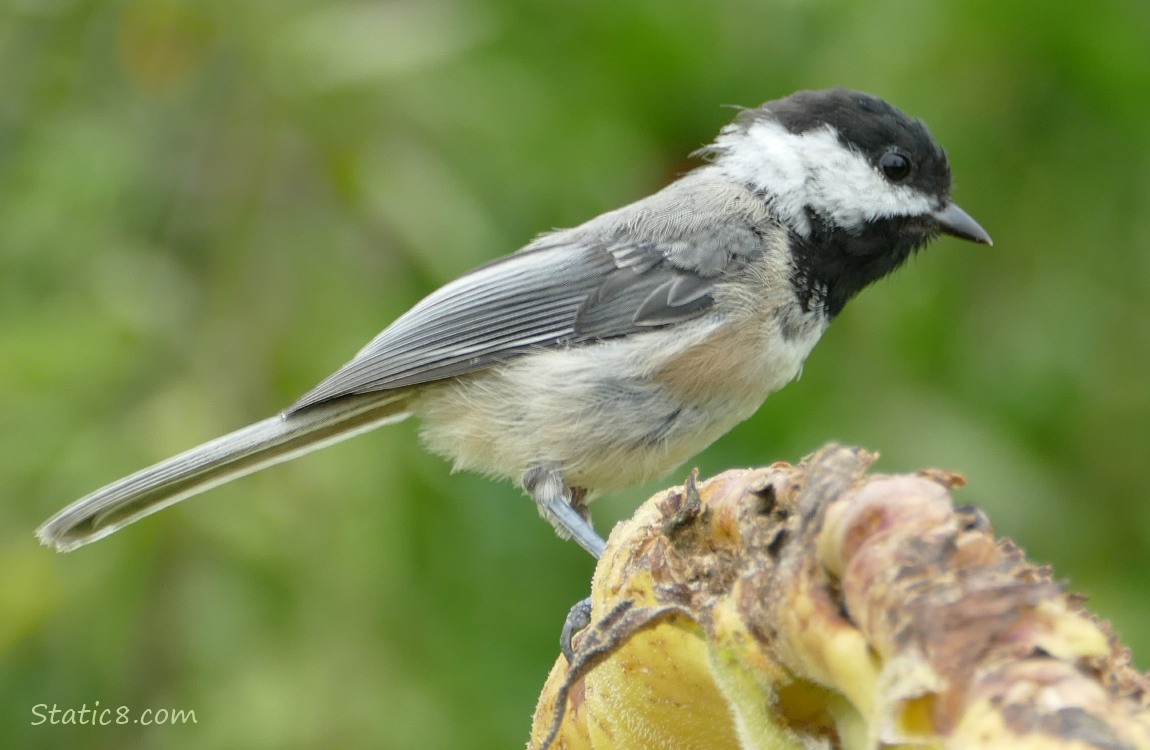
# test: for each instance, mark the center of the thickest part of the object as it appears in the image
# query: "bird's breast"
(614, 413)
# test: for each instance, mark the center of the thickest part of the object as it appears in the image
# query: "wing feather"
(559, 291)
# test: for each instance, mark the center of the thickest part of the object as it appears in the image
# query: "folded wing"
(559, 291)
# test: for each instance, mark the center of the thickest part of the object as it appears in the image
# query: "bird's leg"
(563, 507)
(566, 508)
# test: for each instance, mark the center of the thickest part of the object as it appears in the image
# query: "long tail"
(244, 451)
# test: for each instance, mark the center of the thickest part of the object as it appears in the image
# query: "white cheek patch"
(815, 170)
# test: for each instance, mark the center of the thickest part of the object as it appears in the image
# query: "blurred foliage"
(207, 206)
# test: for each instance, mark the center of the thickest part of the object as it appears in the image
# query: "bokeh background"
(207, 206)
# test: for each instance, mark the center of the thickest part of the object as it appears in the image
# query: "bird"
(604, 355)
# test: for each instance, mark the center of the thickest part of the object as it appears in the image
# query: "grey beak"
(958, 223)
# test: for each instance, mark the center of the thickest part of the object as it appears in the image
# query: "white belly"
(615, 413)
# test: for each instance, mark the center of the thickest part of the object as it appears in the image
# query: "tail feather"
(244, 451)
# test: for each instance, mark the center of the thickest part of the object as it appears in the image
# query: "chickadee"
(606, 355)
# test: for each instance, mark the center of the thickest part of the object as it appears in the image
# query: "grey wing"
(660, 283)
(556, 292)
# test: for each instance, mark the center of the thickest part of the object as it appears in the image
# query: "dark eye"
(895, 166)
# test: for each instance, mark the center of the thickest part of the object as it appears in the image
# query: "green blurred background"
(205, 207)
